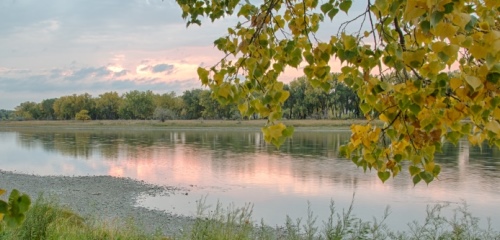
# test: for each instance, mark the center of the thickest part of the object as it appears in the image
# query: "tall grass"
(47, 219)
(236, 223)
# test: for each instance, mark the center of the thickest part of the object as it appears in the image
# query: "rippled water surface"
(236, 166)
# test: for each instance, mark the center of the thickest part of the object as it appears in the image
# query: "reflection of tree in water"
(307, 157)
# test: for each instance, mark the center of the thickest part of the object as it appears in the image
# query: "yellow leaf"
(492, 4)
(496, 113)
(243, 108)
(274, 131)
(284, 96)
(451, 50)
(474, 82)
(452, 115)
(438, 46)
(478, 51)
(383, 118)
(2, 191)
(429, 167)
(461, 19)
(414, 59)
(414, 9)
(445, 30)
(224, 90)
(455, 83)
(493, 126)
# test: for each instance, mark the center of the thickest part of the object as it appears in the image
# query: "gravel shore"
(105, 197)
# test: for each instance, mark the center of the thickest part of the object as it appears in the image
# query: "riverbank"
(155, 124)
(113, 199)
(105, 197)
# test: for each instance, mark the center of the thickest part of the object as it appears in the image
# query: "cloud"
(85, 73)
(162, 68)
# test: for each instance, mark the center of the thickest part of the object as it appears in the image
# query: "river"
(237, 166)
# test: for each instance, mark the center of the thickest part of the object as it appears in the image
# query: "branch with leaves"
(437, 65)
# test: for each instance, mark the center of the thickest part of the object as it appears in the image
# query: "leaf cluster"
(400, 62)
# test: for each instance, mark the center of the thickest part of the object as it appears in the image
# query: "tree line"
(305, 101)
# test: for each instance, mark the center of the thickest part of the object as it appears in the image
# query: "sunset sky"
(54, 48)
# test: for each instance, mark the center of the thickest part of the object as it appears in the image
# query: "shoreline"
(102, 197)
(178, 124)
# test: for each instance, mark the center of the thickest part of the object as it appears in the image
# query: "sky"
(54, 48)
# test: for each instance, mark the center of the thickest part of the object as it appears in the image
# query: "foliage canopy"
(400, 68)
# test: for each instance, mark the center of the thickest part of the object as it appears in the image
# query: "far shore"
(176, 124)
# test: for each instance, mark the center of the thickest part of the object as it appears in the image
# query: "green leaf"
(332, 13)
(325, 8)
(436, 17)
(426, 26)
(426, 176)
(365, 107)
(398, 157)
(436, 170)
(415, 108)
(288, 132)
(24, 203)
(3, 207)
(493, 77)
(448, 8)
(345, 5)
(474, 82)
(416, 179)
(384, 175)
(203, 75)
(414, 170)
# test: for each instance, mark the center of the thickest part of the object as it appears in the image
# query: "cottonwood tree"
(399, 67)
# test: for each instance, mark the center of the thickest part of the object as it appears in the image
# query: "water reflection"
(238, 166)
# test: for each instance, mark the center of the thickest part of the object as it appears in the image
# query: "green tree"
(192, 108)
(107, 105)
(395, 55)
(212, 109)
(83, 115)
(137, 105)
(28, 111)
(163, 114)
(47, 109)
(64, 108)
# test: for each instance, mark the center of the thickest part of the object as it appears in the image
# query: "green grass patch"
(47, 219)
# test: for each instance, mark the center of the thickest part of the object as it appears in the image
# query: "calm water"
(236, 166)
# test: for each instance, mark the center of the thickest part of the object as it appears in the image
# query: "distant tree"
(213, 109)
(47, 109)
(108, 105)
(6, 114)
(82, 115)
(192, 107)
(137, 105)
(163, 114)
(28, 111)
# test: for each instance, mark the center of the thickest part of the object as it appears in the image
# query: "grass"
(235, 223)
(48, 220)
